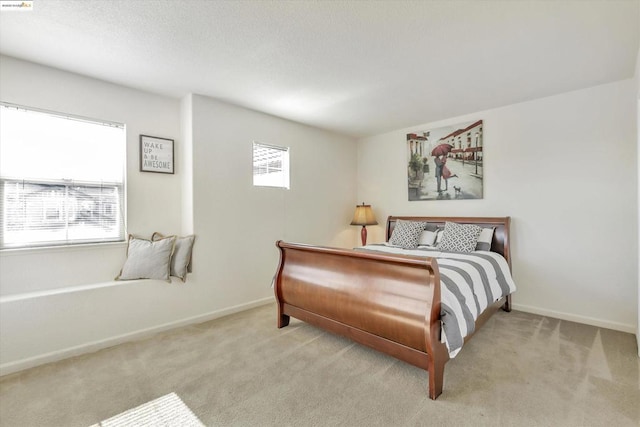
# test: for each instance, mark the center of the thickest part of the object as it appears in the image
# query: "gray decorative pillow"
(459, 237)
(484, 240)
(406, 234)
(181, 259)
(147, 259)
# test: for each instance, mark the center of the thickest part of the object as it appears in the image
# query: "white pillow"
(427, 238)
(459, 237)
(147, 259)
(406, 234)
(484, 240)
(431, 238)
(181, 259)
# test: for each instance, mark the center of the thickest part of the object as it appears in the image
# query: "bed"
(393, 302)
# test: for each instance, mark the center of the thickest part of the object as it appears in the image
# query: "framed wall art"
(156, 154)
(446, 163)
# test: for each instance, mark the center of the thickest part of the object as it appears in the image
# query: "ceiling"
(355, 67)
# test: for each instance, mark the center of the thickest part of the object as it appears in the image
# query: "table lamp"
(364, 216)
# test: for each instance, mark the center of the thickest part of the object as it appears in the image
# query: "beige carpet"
(520, 370)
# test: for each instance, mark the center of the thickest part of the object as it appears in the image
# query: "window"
(270, 166)
(61, 179)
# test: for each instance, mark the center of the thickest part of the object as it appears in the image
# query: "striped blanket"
(470, 282)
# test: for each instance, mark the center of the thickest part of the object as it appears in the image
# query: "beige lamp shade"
(364, 216)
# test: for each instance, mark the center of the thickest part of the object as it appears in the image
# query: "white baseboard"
(576, 318)
(19, 365)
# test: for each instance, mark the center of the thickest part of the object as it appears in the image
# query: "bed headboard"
(499, 244)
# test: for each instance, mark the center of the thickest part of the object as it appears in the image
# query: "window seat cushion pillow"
(181, 258)
(148, 259)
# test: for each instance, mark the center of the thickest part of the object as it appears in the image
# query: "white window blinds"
(270, 165)
(62, 179)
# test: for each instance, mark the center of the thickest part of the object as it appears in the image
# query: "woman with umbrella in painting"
(440, 153)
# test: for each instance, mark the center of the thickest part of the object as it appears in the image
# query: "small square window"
(270, 166)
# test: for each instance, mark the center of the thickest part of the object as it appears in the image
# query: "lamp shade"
(364, 216)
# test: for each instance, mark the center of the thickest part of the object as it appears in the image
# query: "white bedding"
(470, 282)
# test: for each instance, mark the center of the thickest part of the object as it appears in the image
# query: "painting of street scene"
(446, 163)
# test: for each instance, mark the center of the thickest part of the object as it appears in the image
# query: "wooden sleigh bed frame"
(390, 303)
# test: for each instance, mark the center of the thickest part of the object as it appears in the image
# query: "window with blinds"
(270, 166)
(62, 179)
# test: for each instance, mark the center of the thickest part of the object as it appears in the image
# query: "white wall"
(637, 105)
(239, 223)
(32, 85)
(564, 168)
(186, 164)
(44, 318)
(40, 314)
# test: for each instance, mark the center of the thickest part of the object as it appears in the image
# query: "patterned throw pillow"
(484, 240)
(406, 234)
(459, 237)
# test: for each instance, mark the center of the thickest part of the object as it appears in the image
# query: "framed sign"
(156, 154)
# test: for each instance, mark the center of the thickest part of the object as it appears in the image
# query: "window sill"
(62, 248)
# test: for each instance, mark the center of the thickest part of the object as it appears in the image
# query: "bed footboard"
(388, 303)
